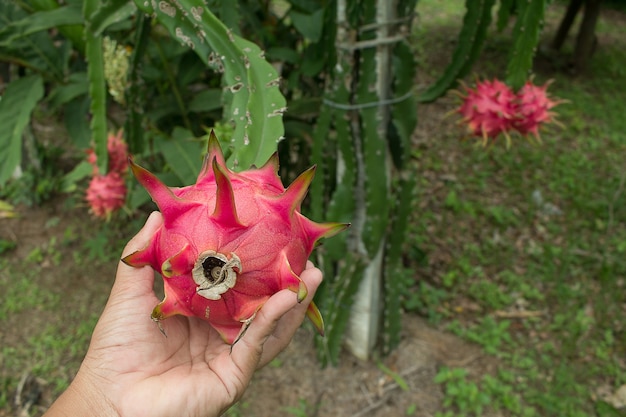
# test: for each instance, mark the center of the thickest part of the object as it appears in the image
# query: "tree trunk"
(566, 23)
(586, 35)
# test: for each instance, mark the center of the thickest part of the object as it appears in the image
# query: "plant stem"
(175, 89)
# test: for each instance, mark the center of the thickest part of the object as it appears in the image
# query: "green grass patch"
(531, 238)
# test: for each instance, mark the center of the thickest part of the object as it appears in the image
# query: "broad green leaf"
(19, 99)
(76, 118)
(76, 86)
(254, 103)
(310, 25)
(35, 51)
(36, 22)
(183, 154)
(80, 171)
(74, 33)
(207, 100)
(281, 53)
(110, 12)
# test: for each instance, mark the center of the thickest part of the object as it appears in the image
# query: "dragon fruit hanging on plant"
(533, 109)
(107, 193)
(229, 242)
(488, 110)
(492, 109)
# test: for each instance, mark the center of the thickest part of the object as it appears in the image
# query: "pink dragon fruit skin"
(118, 154)
(106, 194)
(488, 109)
(229, 242)
(533, 109)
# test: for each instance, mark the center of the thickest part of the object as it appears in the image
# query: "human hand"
(131, 369)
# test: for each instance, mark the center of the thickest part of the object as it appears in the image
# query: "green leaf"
(35, 51)
(110, 12)
(36, 22)
(76, 120)
(281, 53)
(310, 25)
(74, 33)
(19, 99)
(526, 35)
(207, 100)
(401, 382)
(76, 86)
(254, 103)
(80, 171)
(183, 154)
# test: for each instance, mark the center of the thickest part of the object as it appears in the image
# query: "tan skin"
(131, 369)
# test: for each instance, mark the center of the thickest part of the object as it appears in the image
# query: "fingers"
(142, 238)
(292, 320)
(274, 325)
(137, 280)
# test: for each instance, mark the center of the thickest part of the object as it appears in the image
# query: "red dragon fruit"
(489, 109)
(118, 154)
(533, 109)
(229, 242)
(106, 194)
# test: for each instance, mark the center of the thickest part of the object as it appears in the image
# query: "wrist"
(82, 398)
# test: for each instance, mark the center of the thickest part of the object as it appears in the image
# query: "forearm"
(82, 398)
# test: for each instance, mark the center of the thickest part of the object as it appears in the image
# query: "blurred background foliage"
(166, 73)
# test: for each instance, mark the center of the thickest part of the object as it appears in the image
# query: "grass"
(536, 240)
(56, 342)
(48, 309)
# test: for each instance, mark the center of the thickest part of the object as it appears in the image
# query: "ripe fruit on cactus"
(118, 154)
(492, 108)
(533, 108)
(106, 194)
(229, 242)
(488, 109)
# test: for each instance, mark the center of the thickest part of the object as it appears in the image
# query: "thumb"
(142, 238)
(137, 279)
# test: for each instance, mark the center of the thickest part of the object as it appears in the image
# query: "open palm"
(191, 371)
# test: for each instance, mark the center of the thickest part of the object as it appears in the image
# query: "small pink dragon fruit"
(118, 154)
(106, 194)
(533, 109)
(229, 242)
(489, 109)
